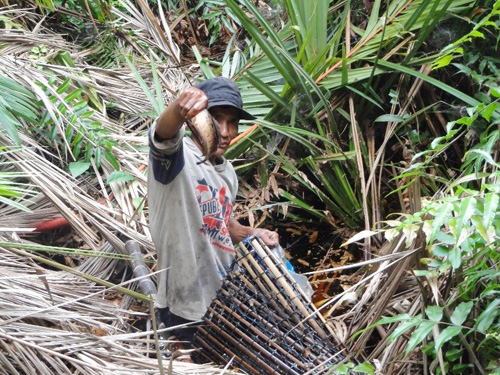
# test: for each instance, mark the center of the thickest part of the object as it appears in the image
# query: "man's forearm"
(238, 231)
(169, 122)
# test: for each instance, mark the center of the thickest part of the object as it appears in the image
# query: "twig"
(186, 11)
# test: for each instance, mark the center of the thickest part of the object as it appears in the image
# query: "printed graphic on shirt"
(215, 207)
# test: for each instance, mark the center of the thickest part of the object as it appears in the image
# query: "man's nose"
(223, 128)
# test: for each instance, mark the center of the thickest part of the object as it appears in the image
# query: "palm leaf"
(90, 336)
(440, 85)
(15, 101)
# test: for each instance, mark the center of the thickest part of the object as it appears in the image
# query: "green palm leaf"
(15, 102)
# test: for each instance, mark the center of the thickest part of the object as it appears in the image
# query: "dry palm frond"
(386, 289)
(96, 211)
(52, 322)
(31, 293)
(58, 322)
(379, 295)
(28, 349)
(159, 33)
(21, 42)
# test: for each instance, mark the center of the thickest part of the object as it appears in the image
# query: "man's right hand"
(191, 102)
(187, 105)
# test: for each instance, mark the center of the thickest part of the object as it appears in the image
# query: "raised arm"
(189, 103)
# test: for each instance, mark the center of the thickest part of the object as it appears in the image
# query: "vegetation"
(377, 119)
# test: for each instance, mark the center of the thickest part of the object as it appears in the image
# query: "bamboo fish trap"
(263, 322)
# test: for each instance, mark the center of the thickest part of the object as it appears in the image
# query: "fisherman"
(191, 205)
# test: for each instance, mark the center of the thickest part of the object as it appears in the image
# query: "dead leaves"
(194, 32)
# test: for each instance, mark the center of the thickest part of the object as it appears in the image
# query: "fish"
(205, 130)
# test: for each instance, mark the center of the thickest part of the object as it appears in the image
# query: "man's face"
(228, 119)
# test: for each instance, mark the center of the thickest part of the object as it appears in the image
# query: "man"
(190, 204)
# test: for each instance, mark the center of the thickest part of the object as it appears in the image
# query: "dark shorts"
(172, 320)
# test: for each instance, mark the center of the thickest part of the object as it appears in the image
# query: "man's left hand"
(269, 237)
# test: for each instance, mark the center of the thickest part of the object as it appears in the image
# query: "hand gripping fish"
(205, 129)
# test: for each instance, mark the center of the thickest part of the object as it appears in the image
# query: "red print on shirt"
(215, 207)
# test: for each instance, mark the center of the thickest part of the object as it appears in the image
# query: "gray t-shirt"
(190, 206)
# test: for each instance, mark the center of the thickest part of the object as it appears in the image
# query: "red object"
(51, 224)
(240, 136)
(60, 221)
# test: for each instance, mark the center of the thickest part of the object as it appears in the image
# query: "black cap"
(222, 91)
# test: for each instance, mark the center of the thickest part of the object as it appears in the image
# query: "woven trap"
(263, 322)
